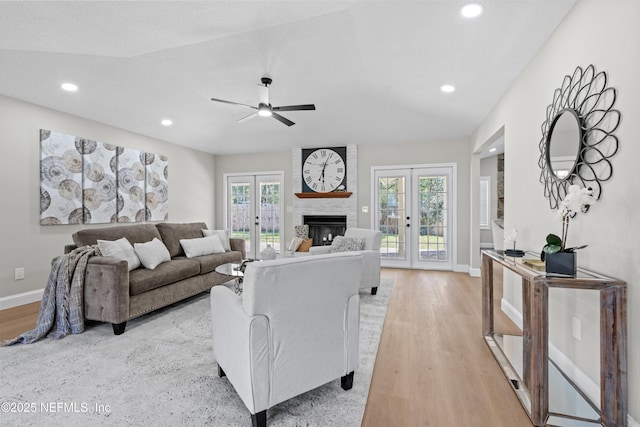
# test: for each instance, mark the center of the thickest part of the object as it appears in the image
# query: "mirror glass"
(563, 145)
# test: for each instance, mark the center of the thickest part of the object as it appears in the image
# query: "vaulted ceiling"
(373, 69)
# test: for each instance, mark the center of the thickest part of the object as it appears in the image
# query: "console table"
(533, 388)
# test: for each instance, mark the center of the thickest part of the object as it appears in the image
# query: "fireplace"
(323, 228)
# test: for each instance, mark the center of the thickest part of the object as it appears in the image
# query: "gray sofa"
(115, 295)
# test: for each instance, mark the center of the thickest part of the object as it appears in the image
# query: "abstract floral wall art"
(157, 187)
(130, 178)
(98, 181)
(60, 179)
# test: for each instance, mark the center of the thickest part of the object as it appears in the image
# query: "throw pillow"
(120, 249)
(295, 244)
(305, 245)
(223, 234)
(302, 231)
(347, 244)
(202, 246)
(152, 253)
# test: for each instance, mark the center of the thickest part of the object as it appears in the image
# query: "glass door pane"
(270, 211)
(392, 216)
(433, 215)
(240, 210)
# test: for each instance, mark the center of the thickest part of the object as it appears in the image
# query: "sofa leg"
(259, 419)
(221, 372)
(118, 328)
(374, 290)
(347, 381)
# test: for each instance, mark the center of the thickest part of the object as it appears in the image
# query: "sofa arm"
(319, 250)
(238, 245)
(241, 347)
(370, 268)
(70, 247)
(106, 290)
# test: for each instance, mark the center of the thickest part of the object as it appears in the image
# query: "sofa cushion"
(208, 263)
(142, 280)
(171, 234)
(138, 233)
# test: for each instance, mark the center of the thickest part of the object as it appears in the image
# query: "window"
(485, 202)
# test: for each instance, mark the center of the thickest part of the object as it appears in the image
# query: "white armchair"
(370, 256)
(295, 327)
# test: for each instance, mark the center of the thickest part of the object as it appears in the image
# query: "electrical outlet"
(577, 328)
(365, 209)
(19, 274)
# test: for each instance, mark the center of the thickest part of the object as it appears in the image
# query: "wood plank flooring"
(433, 367)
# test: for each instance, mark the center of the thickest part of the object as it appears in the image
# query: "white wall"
(23, 242)
(606, 34)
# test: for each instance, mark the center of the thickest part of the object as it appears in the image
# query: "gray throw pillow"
(346, 244)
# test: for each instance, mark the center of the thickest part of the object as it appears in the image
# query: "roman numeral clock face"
(324, 170)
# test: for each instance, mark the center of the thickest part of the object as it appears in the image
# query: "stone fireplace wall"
(347, 206)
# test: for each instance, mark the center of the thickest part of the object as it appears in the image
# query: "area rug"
(161, 372)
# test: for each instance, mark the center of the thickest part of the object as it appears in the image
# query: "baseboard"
(474, 272)
(460, 268)
(21, 299)
(486, 245)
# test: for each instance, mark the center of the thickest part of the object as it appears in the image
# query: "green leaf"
(554, 240)
(551, 249)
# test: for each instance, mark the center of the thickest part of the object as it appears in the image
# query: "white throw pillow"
(295, 244)
(223, 234)
(120, 249)
(202, 246)
(152, 253)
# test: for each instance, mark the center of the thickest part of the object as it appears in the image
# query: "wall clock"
(324, 170)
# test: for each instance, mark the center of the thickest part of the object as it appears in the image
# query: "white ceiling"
(372, 68)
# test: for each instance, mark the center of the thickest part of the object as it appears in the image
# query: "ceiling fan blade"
(295, 107)
(282, 119)
(234, 103)
(250, 116)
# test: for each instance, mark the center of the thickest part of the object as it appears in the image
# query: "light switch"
(365, 209)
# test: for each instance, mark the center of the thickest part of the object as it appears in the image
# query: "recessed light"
(69, 87)
(166, 122)
(447, 88)
(472, 10)
(492, 150)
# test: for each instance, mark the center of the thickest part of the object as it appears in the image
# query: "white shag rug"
(161, 372)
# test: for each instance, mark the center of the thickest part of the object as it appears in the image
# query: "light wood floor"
(433, 367)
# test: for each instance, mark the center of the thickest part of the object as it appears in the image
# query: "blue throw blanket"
(62, 308)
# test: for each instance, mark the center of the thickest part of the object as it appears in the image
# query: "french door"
(254, 210)
(415, 210)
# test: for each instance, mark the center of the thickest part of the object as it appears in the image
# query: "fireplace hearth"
(324, 228)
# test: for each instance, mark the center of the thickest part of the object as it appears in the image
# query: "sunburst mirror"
(578, 138)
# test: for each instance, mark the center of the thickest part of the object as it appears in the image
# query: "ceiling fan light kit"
(265, 109)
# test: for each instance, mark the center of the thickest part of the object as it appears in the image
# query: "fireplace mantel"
(330, 195)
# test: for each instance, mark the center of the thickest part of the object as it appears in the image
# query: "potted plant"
(558, 258)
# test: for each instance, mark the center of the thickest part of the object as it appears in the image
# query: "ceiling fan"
(265, 109)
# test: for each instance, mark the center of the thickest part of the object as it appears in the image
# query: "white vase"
(268, 253)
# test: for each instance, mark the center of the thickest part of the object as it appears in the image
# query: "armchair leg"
(374, 290)
(259, 419)
(221, 372)
(347, 381)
